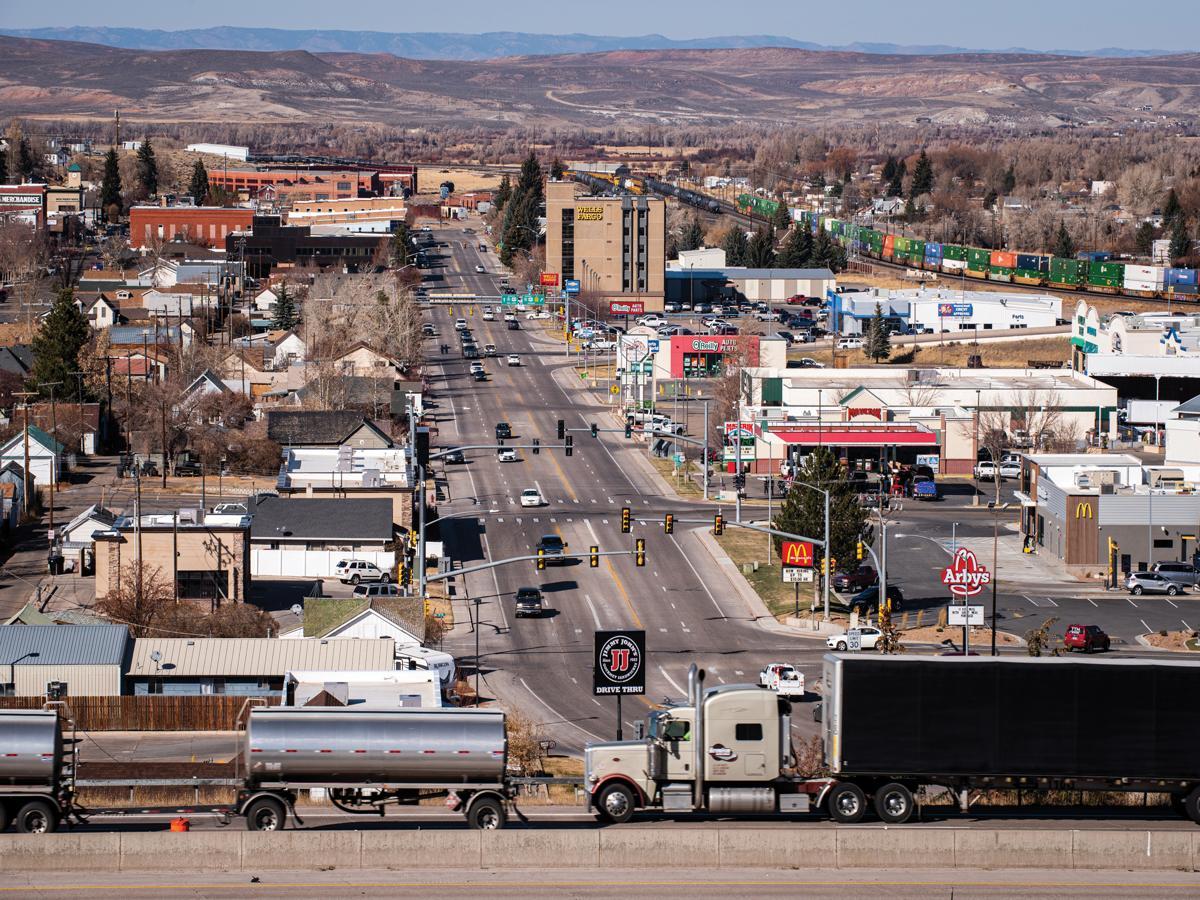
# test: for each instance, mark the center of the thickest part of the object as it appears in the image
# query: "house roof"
(322, 518)
(1189, 407)
(192, 657)
(313, 427)
(137, 335)
(64, 645)
(323, 616)
(30, 615)
(363, 390)
(17, 358)
(208, 376)
(103, 516)
(362, 345)
(36, 435)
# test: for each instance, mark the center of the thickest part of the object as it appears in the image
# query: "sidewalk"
(1029, 571)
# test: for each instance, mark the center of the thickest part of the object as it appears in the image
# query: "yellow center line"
(612, 570)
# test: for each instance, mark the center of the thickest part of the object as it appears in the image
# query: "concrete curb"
(717, 847)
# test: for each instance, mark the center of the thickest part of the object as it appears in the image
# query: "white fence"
(313, 563)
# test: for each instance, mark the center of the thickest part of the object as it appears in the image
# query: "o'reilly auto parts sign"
(620, 663)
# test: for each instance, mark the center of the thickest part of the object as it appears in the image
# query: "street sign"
(619, 664)
(793, 575)
(626, 307)
(961, 616)
(653, 346)
(797, 553)
(966, 576)
(854, 639)
(615, 389)
(571, 286)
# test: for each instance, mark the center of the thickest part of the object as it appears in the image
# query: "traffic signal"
(594, 556)
(537, 446)
(639, 556)
(541, 559)
(625, 525)
(595, 430)
(718, 525)
(427, 606)
(562, 429)
(669, 523)
(629, 428)
(859, 550)
(570, 445)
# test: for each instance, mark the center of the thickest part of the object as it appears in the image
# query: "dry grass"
(747, 547)
(935, 634)
(1179, 641)
(465, 179)
(680, 479)
(995, 354)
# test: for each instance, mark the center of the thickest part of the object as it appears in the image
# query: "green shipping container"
(1033, 274)
(1106, 274)
(953, 251)
(1000, 273)
(1066, 271)
(978, 259)
(916, 250)
(900, 245)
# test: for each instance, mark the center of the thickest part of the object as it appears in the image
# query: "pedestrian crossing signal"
(625, 523)
(669, 523)
(594, 557)
(639, 557)
(718, 525)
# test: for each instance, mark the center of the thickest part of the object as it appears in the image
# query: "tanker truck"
(364, 759)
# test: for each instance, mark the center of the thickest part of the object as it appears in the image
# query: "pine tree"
(889, 169)
(402, 248)
(692, 236)
(1172, 209)
(147, 168)
(1181, 242)
(1143, 238)
(503, 194)
(110, 187)
(286, 316)
(530, 183)
(760, 252)
(1009, 182)
(57, 344)
(198, 187)
(557, 169)
(782, 217)
(803, 511)
(895, 187)
(1064, 246)
(735, 246)
(26, 164)
(797, 250)
(879, 337)
(922, 180)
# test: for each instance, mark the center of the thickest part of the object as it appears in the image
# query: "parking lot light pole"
(828, 571)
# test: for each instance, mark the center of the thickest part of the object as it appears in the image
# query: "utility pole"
(53, 450)
(163, 420)
(25, 406)
(137, 530)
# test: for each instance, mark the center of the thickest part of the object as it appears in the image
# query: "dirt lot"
(995, 354)
(1173, 640)
(429, 177)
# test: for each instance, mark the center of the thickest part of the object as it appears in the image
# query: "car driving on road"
(553, 546)
(503, 431)
(528, 602)
(869, 636)
(508, 454)
(531, 497)
(783, 679)
(514, 359)
(869, 599)
(861, 578)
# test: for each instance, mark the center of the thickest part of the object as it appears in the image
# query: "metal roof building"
(246, 666)
(89, 659)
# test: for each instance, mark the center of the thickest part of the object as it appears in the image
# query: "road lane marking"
(555, 712)
(1131, 603)
(1186, 625)
(1031, 600)
(703, 583)
(671, 681)
(1094, 603)
(1172, 602)
(1148, 628)
(595, 615)
(1051, 602)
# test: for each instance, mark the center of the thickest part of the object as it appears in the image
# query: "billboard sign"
(571, 286)
(798, 553)
(548, 279)
(955, 310)
(792, 575)
(619, 666)
(626, 307)
(966, 576)
(961, 616)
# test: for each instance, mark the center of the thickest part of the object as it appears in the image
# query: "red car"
(796, 299)
(860, 579)
(1087, 638)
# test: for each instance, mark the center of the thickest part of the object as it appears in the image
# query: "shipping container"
(954, 251)
(1000, 273)
(1180, 276)
(1190, 289)
(1106, 274)
(978, 259)
(1144, 274)
(974, 272)
(1067, 271)
(1003, 259)
(1033, 262)
(1028, 276)
(953, 265)
(1141, 288)
(916, 249)
(1094, 255)
(900, 244)
(933, 250)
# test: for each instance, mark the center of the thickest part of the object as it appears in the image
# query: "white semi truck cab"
(728, 750)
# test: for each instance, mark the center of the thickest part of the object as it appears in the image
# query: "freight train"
(1092, 272)
(611, 184)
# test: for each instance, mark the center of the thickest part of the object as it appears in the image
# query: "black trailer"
(894, 724)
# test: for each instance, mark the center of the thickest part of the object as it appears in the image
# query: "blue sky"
(1037, 24)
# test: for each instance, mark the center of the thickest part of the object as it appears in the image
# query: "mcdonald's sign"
(1083, 510)
(798, 553)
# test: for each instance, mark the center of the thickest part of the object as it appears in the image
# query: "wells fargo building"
(613, 246)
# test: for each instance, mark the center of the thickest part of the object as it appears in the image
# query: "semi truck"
(892, 725)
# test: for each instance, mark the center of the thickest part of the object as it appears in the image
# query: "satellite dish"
(297, 609)
(156, 656)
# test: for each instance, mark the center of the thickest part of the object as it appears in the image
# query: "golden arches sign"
(1083, 511)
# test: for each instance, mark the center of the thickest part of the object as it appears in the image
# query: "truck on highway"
(960, 723)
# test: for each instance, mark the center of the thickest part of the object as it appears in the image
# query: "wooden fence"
(148, 713)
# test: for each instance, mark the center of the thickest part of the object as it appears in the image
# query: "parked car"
(652, 321)
(601, 346)
(503, 431)
(869, 598)
(986, 470)
(531, 497)
(797, 299)
(1181, 573)
(1087, 638)
(508, 454)
(553, 546)
(861, 578)
(785, 680)
(807, 362)
(850, 343)
(767, 316)
(787, 336)
(367, 591)
(514, 359)
(924, 488)
(528, 602)
(670, 307)
(1151, 583)
(352, 571)
(868, 635)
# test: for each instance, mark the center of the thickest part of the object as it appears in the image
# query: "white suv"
(352, 571)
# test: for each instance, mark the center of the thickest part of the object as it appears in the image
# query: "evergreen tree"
(692, 235)
(879, 337)
(922, 180)
(198, 187)
(782, 217)
(825, 251)
(530, 182)
(26, 164)
(889, 169)
(803, 510)
(402, 246)
(760, 252)
(147, 168)
(1143, 238)
(3, 167)
(1181, 242)
(895, 187)
(56, 346)
(797, 250)
(1064, 246)
(557, 169)
(1009, 182)
(990, 198)
(110, 187)
(1172, 209)
(503, 193)
(286, 315)
(735, 246)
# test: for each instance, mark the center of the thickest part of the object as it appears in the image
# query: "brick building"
(207, 225)
(288, 185)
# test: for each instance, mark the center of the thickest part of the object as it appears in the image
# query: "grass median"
(746, 548)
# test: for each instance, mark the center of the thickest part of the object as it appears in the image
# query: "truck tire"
(486, 814)
(1191, 805)
(37, 817)
(616, 804)
(847, 803)
(894, 804)
(266, 814)
(3, 816)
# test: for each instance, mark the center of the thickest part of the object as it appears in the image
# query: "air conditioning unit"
(1166, 479)
(1093, 478)
(190, 516)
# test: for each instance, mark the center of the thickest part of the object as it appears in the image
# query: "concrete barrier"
(703, 846)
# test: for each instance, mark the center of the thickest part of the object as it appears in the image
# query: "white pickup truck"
(783, 679)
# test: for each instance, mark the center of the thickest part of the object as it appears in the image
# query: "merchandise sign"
(620, 663)
(571, 286)
(966, 576)
(548, 279)
(955, 310)
(626, 307)
(797, 553)
(961, 616)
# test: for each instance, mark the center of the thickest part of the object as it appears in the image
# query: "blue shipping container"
(933, 252)
(1185, 288)
(1094, 255)
(1180, 276)
(1032, 262)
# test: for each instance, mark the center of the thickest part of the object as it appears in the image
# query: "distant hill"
(695, 87)
(492, 45)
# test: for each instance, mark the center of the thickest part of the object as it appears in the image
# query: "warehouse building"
(204, 225)
(81, 660)
(940, 311)
(702, 285)
(613, 247)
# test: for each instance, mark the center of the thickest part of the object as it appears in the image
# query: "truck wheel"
(1191, 805)
(486, 814)
(1179, 805)
(847, 804)
(3, 816)
(37, 817)
(266, 814)
(616, 804)
(894, 804)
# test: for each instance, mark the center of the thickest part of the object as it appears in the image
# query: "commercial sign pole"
(618, 667)
(966, 577)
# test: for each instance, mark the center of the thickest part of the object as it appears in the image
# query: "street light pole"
(828, 572)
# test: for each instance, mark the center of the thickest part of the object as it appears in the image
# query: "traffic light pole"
(483, 567)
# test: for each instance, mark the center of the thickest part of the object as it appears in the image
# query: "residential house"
(16, 359)
(400, 618)
(131, 336)
(308, 536)
(82, 660)
(77, 539)
(289, 349)
(206, 556)
(179, 301)
(134, 364)
(12, 490)
(244, 666)
(325, 428)
(101, 312)
(265, 300)
(364, 361)
(45, 455)
(76, 424)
